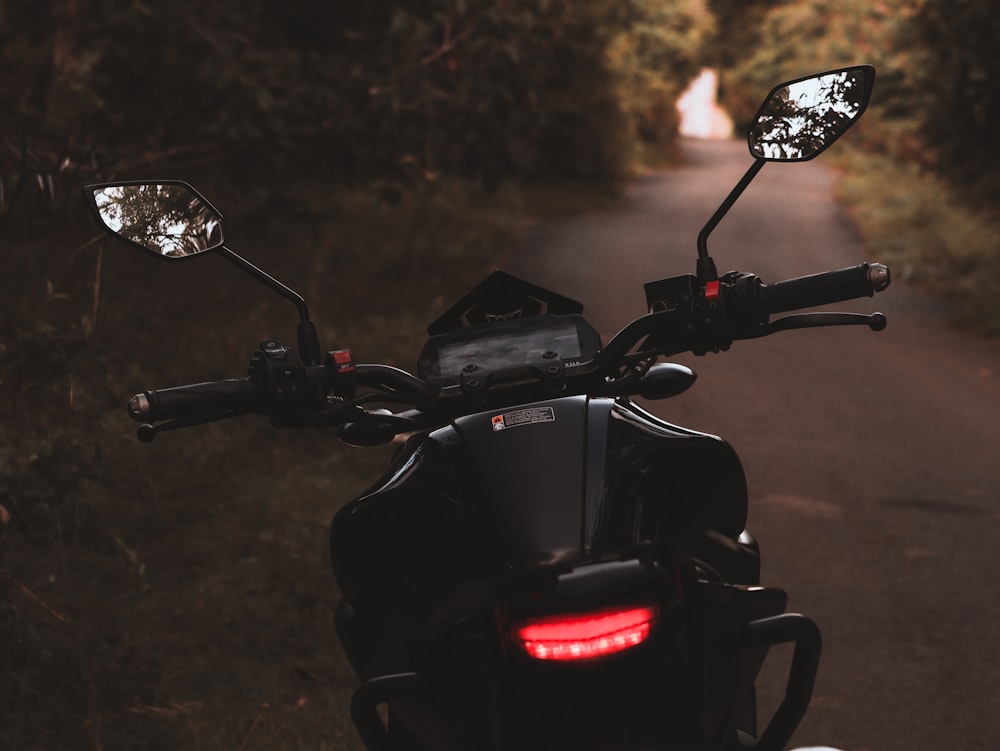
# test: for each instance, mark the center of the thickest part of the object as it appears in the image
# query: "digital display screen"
(509, 349)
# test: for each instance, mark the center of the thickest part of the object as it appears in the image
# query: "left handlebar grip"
(194, 400)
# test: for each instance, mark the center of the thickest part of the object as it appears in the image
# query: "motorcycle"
(546, 564)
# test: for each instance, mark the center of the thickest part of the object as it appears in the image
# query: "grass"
(930, 238)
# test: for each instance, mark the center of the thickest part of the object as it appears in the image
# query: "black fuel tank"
(536, 485)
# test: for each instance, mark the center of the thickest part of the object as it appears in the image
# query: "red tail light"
(585, 636)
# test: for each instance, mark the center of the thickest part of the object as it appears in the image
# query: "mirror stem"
(309, 349)
(706, 266)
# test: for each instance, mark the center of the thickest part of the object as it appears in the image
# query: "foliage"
(802, 37)
(471, 88)
(655, 58)
(179, 595)
(166, 218)
(958, 82)
(353, 140)
(737, 29)
(488, 89)
(927, 234)
(936, 101)
(800, 119)
(933, 114)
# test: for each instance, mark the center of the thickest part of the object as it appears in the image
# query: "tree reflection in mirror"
(800, 119)
(168, 219)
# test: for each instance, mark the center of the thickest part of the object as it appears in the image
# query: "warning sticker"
(531, 416)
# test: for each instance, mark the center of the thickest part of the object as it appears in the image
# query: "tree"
(801, 37)
(350, 91)
(961, 96)
(655, 58)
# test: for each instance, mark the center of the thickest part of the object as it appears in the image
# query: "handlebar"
(690, 317)
(243, 395)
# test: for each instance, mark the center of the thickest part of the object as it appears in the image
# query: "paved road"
(873, 460)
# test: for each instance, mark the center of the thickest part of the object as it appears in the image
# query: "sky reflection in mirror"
(802, 118)
(167, 219)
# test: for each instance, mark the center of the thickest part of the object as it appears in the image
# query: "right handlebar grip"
(194, 400)
(863, 280)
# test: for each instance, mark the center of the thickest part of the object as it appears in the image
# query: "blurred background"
(379, 157)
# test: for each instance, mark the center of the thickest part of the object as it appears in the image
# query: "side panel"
(418, 531)
(662, 481)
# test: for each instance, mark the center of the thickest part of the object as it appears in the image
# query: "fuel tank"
(532, 487)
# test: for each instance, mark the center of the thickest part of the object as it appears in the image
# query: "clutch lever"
(147, 432)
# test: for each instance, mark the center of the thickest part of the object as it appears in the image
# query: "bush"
(472, 88)
(961, 101)
(655, 58)
(801, 37)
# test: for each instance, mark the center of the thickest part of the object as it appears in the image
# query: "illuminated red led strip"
(585, 636)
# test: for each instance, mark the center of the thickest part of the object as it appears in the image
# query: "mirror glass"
(801, 118)
(168, 219)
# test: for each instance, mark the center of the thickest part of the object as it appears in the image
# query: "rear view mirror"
(801, 118)
(169, 219)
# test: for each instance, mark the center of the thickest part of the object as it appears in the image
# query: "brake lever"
(874, 321)
(147, 432)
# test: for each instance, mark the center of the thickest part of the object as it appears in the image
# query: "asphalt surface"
(873, 459)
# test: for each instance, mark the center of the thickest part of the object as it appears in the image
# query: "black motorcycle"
(546, 565)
